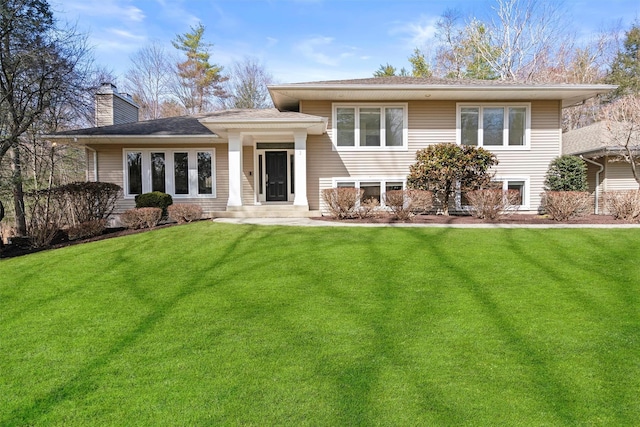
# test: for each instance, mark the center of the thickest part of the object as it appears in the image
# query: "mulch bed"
(516, 219)
(20, 248)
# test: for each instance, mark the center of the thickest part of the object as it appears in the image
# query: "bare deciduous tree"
(522, 35)
(247, 85)
(40, 65)
(149, 79)
(622, 118)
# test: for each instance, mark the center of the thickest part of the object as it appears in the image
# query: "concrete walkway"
(308, 222)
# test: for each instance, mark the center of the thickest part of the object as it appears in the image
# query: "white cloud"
(102, 8)
(271, 41)
(126, 34)
(310, 49)
(416, 34)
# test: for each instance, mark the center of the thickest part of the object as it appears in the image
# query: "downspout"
(601, 168)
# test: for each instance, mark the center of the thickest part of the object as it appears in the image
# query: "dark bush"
(89, 201)
(155, 199)
(87, 229)
(566, 173)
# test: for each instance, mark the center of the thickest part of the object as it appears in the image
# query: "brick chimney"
(113, 108)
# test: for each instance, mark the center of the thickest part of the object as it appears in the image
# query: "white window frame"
(505, 135)
(169, 171)
(383, 183)
(526, 202)
(357, 107)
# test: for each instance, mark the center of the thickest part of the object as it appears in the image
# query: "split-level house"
(362, 133)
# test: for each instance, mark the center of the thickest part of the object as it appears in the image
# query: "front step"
(266, 211)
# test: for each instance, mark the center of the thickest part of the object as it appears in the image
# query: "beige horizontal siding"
(430, 122)
(110, 169)
(618, 176)
(248, 194)
(545, 146)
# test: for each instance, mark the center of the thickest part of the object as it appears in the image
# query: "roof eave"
(287, 97)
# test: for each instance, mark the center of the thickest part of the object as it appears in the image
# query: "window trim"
(382, 180)
(169, 171)
(526, 190)
(357, 106)
(505, 131)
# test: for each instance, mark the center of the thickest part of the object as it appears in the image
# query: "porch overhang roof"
(312, 124)
(288, 96)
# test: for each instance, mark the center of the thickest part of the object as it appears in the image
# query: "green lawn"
(247, 325)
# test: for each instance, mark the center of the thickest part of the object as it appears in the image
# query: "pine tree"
(199, 80)
(625, 70)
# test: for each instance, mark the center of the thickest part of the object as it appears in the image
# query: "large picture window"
(494, 126)
(370, 126)
(181, 173)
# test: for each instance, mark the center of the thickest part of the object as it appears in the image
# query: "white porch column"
(300, 166)
(235, 169)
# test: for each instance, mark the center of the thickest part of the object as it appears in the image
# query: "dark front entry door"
(276, 176)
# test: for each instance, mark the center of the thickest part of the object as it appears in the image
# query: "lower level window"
(373, 189)
(519, 185)
(187, 173)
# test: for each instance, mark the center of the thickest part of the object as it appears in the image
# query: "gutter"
(601, 168)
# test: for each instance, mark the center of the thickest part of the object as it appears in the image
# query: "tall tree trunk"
(18, 193)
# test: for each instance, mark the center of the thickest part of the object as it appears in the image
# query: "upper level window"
(181, 173)
(494, 125)
(370, 126)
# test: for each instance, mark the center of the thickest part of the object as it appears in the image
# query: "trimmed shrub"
(404, 204)
(623, 204)
(183, 212)
(141, 217)
(89, 201)
(490, 203)
(562, 205)
(155, 199)
(448, 167)
(87, 229)
(342, 202)
(566, 173)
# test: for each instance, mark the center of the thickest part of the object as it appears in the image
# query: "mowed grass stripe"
(223, 324)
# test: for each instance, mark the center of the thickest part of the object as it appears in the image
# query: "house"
(606, 168)
(362, 133)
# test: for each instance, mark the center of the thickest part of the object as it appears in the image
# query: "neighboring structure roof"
(288, 96)
(213, 124)
(590, 141)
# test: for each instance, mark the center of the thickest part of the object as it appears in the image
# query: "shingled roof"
(591, 141)
(170, 126)
(189, 125)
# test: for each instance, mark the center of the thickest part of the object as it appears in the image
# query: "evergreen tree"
(625, 70)
(198, 79)
(420, 66)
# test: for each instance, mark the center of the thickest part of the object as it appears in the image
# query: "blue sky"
(298, 40)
